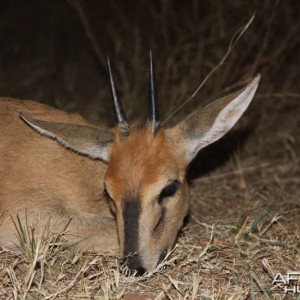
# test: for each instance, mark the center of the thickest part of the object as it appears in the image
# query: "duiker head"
(145, 180)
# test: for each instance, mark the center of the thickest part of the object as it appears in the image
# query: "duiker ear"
(210, 123)
(89, 140)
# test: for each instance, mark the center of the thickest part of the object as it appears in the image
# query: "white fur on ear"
(224, 121)
(81, 139)
(39, 129)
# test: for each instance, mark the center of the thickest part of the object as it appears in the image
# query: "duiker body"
(122, 188)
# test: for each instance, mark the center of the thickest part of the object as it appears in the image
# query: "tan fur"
(40, 176)
(52, 168)
(140, 160)
(43, 178)
(143, 165)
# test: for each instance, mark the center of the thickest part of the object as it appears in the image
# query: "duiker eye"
(169, 190)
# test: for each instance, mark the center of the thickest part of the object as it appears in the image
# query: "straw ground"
(244, 226)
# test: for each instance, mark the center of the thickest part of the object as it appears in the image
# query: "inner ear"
(209, 124)
(89, 140)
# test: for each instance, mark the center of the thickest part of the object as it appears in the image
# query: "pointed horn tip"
(151, 62)
(119, 112)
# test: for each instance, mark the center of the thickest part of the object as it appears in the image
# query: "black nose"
(133, 266)
(162, 256)
(140, 271)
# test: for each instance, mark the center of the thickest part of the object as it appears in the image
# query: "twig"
(204, 251)
(236, 37)
(88, 31)
(255, 279)
(278, 95)
(266, 38)
(71, 284)
(235, 172)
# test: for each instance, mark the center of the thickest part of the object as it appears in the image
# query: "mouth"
(133, 266)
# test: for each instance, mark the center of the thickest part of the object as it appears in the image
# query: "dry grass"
(245, 190)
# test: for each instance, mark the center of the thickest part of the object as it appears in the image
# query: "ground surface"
(244, 226)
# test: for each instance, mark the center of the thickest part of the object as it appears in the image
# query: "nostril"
(140, 271)
(132, 266)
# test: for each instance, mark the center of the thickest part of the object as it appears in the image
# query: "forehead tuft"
(140, 158)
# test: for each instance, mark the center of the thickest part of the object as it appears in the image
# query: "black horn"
(119, 111)
(153, 105)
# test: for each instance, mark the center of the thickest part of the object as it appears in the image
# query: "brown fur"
(142, 165)
(42, 177)
(140, 160)
(47, 176)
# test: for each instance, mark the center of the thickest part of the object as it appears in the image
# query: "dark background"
(55, 52)
(45, 54)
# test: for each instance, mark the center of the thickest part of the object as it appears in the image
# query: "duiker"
(123, 188)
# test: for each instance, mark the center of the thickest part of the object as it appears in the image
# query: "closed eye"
(169, 191)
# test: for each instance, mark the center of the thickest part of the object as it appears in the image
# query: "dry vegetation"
(245, 189)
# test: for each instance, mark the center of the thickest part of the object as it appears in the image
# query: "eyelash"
(169, 191)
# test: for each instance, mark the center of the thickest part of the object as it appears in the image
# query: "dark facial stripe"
(131, 216)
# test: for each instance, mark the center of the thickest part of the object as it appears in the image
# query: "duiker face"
(145, 182)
